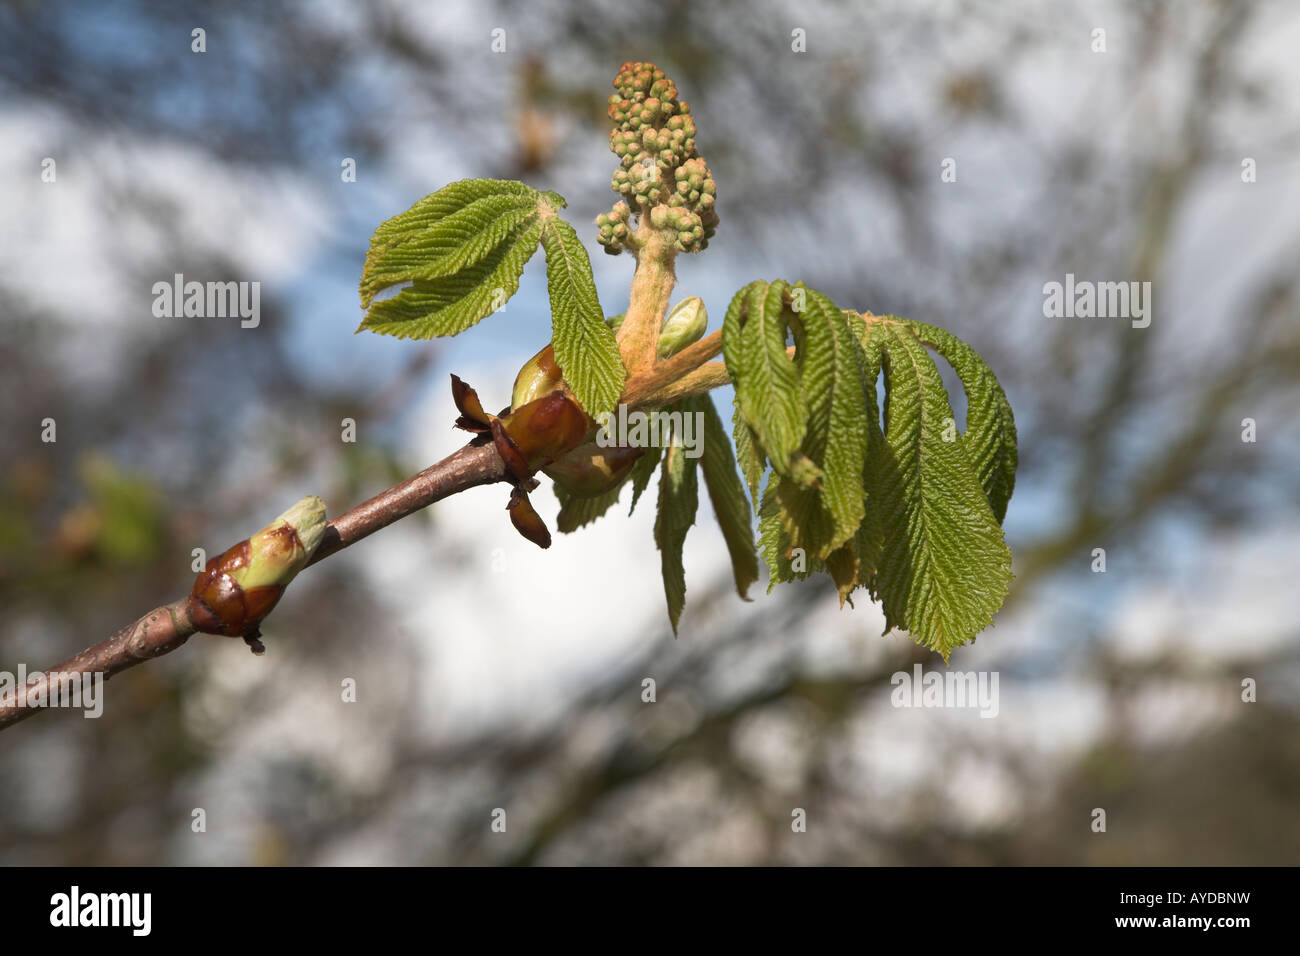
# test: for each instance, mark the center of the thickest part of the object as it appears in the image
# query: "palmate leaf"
(585, 348)
(678, 502)
(817, 397)
(900, 511)
(990, 435)
(462, 249)
(944, 568)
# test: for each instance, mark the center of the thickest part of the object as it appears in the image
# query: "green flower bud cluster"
(661, 173)
(612, 228)
(690, 210)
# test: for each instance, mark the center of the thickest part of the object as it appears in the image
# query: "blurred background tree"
(1119, 690)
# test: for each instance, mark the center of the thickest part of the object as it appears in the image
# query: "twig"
(166, 628)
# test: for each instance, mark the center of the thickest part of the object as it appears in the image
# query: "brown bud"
(472, 417)
(240, 586)
(546, 428)
(219, 604)
(526, 520)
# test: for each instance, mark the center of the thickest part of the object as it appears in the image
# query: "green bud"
(540, 376)
(685, 325)
(283, 548)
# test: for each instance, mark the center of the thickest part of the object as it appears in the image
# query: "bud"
(655, 132)
(283, 548)
(685, 325)
(526, 520)
(590, 470)
(539, 376)
(240, 586)
(541, 431)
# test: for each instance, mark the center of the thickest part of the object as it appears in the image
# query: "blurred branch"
(166, 628)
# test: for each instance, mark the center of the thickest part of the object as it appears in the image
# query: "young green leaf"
(585, 348)
(945, 568)
(578, 512)
(449, 305)
(784, 561)
(831, 388)
(642, 472)
(732, 508)
(748, 453)
(448, 230)
(678, 501)
(990, 436)
(844, 567)
(453, 243)
(869, 540)
(766, 379)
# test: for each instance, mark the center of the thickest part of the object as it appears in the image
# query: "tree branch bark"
(166, 628)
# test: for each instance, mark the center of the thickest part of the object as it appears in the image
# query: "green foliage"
(944, 569)
(678, 501)
(642, 472)
(463, 250)
(990, 436)
(893, 500)
(911, 512)
(585, 348)
(727, 493)
(767, 382)
(578, 512)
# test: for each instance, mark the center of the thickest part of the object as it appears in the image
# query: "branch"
(166, 628)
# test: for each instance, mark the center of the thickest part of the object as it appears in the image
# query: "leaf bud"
(240, 586)
(684, 326)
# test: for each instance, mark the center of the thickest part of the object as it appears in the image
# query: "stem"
(641, 388)
(166, 628)
(703, 379)
(638, 336)
(466, 468)
(683, 375)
